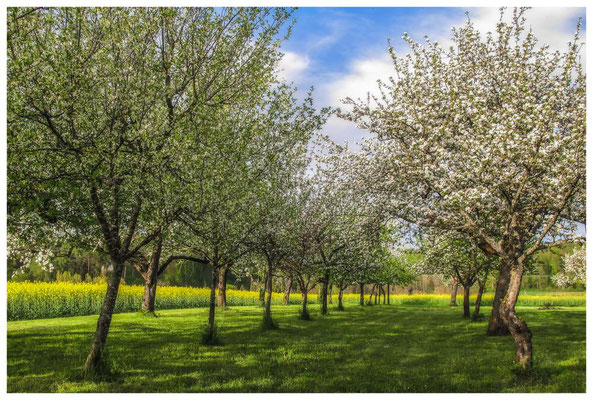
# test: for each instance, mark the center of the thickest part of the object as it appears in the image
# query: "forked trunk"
(287, 290)
(222, 277)
(517, 327)
(362, 294)
(481, 288)
(466, 301)
(453, 302)
(151, 277)
(104, 321)
(496, 326)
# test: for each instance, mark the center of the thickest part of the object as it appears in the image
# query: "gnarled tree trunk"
(496, 326)
(517, 327)
(104, 318)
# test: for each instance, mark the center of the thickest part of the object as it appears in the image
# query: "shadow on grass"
(363, 349)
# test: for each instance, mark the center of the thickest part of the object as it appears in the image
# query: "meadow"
(34, 300)
(376, 348)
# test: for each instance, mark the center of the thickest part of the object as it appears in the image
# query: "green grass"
(363, 349)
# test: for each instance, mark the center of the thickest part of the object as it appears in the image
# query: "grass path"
(364, 349)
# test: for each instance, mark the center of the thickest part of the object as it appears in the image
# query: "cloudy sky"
(343, 51)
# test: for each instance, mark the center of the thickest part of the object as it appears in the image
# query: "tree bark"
(262, 291)
(517, 327)
(269, 291)
(287, 290)
(340, 304)
(453, 302)
(222, 277)
(466, 301)
(388, 290)
(104, 318)
(362, 294)
(384, 297)
(371, 295)
(324, 288)
(481, 287)
(329, 293)
(212, 311)
(304, 295)
(496, 326)
(151, 278)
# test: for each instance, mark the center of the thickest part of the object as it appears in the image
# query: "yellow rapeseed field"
(29, 300)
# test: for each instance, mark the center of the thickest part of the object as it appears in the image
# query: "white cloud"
(358, 81)
(340, 131)
(293, 65)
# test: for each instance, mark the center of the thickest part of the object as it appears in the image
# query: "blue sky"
(343, 51)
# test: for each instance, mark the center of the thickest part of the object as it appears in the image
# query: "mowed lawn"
(363, 349)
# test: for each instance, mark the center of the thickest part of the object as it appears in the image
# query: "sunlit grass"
(364, 349)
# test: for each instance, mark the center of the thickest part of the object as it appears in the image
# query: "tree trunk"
(222, 276)
(517, 327)
(304, 299)
(371, 295)
(212, 310)
(384, 297)
(496, 326)
(329, 293)
(324, 288)
(340, 304)
(376, 292)
(388, 290)
(453, 302)
(481, 287)
(104, 319)
(466, 301)
(262, 291)
(287, 289)
(269, 291)
(362, 294)
(151, 277)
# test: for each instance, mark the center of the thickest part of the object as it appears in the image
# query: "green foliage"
(405, 352)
